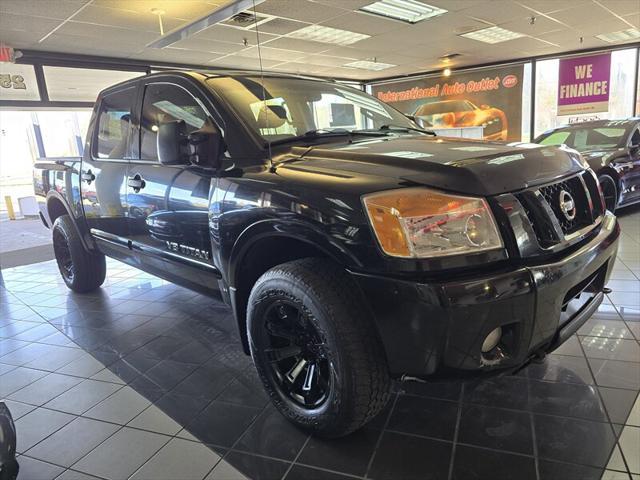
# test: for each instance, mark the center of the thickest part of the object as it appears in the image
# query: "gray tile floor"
(146, 380)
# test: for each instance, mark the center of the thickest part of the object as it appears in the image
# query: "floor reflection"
(165, 366)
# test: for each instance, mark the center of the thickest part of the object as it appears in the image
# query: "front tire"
(82, 271)
(315, 348)
(609, 192)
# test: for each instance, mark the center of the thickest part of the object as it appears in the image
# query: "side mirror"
(172, 142)
(484, 107)
(205, 146)
(202, 147)
(412, 118)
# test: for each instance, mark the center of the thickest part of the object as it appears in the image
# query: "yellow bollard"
(10, 211)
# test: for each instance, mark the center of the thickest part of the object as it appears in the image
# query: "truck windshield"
(280, 108)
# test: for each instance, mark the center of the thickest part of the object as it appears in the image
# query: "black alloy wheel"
(297, 354)
(315, 347)
(81, 270)
(63, 256)
(609, 192)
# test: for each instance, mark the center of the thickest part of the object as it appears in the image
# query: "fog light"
(492, 340)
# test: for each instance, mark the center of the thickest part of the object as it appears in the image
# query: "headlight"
(420, 223)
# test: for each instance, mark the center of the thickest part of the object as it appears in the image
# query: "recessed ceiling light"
(410, 11)
(621, 36)
(492, 35)
(318, 33)
(369, 65)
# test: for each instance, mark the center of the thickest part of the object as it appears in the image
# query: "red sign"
(7, 55)
(488, 98)
(509, 81)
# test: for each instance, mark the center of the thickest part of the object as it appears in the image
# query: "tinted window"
(167, 103)
(114, 124)
(556, 138)
(586, 138)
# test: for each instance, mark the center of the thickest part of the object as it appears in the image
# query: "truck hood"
(457, 165)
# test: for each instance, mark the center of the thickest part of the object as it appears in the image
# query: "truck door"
(169, 205)
(104, 171)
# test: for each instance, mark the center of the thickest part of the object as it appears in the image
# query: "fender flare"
(292, 229)
(83, 232)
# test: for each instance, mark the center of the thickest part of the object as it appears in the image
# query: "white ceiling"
(124, 28)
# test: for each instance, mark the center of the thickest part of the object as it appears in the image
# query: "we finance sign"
(583, 85)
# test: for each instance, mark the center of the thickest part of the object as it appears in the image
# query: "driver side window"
(165, 103)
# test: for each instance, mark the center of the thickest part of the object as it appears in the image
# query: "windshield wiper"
(323, 132)
(400, 128)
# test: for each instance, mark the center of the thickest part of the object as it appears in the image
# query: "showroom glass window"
(114, 125)
(621, 79)
(163, 103)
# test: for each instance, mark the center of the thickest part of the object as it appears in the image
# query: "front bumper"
(437, 328)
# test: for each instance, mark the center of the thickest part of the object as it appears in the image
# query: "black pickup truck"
(352, 246)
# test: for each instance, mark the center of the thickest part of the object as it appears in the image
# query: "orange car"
(463, 113)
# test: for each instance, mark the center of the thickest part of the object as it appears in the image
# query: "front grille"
(553, 224)
(582, 214)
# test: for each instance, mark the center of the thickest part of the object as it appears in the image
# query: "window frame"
(634, 130)
(132, 122)
(140, 110)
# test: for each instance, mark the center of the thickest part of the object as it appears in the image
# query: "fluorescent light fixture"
(621, 36)
(221, 13)
(410, 11)
(318, 33)
(492, 35)
(368, 65)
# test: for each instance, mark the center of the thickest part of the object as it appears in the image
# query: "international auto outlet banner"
(491, 98)
(583, 85)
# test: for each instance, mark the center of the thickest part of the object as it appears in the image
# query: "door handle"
(136, 182)
(88, 177)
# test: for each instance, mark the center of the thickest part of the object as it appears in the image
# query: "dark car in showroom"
(612, 149)
(348, 256)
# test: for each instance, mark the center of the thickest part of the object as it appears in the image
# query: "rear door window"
(113, 139)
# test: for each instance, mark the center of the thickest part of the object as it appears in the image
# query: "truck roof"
(217, 73)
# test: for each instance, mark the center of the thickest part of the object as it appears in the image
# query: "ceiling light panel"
(318, 33)
(492, 35)
(410, 11)
(620, 36)
(368, 65)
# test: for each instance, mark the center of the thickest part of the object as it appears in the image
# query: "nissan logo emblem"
(567, 205)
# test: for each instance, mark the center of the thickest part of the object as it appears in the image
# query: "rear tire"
(309, 312)
(81, 270)
(609, 191)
